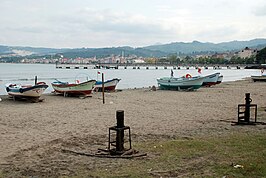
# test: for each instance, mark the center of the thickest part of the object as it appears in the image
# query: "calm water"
(131, 78)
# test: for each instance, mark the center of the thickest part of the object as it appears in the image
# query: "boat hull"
(220, 79)
(109, 85)
(259, 78)
(210, 80)
(26, 91)
(168, 83)
(84, 88)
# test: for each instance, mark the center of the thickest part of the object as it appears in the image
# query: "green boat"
(182, 83)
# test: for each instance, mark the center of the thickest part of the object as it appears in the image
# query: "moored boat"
(83, 88)
(26, 91)
(211, 79)
(182, 83)
(109, 85)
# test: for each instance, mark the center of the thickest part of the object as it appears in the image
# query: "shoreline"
(143, 88)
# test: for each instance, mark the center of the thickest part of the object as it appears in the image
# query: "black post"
(103, 87)
(247, 107)
(120, 131)
(120, 118)
(35, 80)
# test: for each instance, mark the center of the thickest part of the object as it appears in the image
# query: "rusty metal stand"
(119, 129)
(244, 116)
(116, 148)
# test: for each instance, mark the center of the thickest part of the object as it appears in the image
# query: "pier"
(145, 66)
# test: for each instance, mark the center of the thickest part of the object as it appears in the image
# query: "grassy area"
(196, 157)
(199, 157)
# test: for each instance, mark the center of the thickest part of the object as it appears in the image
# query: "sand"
(33, 133)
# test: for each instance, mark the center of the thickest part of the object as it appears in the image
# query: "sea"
(130, 78)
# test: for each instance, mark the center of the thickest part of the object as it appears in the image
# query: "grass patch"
(199, 157)
(182, 157)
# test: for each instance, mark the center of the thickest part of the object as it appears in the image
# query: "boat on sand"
(26, 91)
(211, 79)
(109, 85)
(220, 79)
(65, 88)
(181, 83)
(258, 78)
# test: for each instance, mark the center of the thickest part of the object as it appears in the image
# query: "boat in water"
(109, 85)
(181, 83)
(26, 91)
(65, 88)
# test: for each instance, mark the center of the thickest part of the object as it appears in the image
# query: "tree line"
(259, 58)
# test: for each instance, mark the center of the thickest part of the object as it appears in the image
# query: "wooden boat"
(220, 79)
(182, 83)
(211, 79)
(109, 85)
(84, 88)
(259, 78)
(26, 91)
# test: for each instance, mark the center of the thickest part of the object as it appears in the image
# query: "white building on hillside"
(247, 53)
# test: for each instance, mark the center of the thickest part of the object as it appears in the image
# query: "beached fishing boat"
(83, 88)
(182, 83)
(211, 79)
(26, 91)
(109, 85)
(220, 79)
(258, 78)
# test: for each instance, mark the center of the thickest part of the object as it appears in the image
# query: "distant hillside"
(159, 50)
(31, 50)
(103, 52)
(5, 50)
(196, 46)
(83, 52)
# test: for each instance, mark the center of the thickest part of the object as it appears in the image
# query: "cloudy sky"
(136, 23)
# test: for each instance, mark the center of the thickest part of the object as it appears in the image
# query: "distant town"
(244, 56)
(176, 53)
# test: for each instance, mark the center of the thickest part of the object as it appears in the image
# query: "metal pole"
(120, 131)
(103, 87)
(247, 107)
(120, 119)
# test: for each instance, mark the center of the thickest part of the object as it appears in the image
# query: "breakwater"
(145, 66)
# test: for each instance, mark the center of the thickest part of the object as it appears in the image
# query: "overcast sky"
(136, 23)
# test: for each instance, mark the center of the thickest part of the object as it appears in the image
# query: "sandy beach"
(33, 133)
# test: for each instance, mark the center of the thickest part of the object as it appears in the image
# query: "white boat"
(109, 85)
(182, 83)
(220, 79)
(259, 78)
(84, 88)
(26, 91)
(211, 79)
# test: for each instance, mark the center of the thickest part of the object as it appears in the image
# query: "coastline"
(162, 113)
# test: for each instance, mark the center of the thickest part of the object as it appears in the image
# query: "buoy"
(188, 76)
